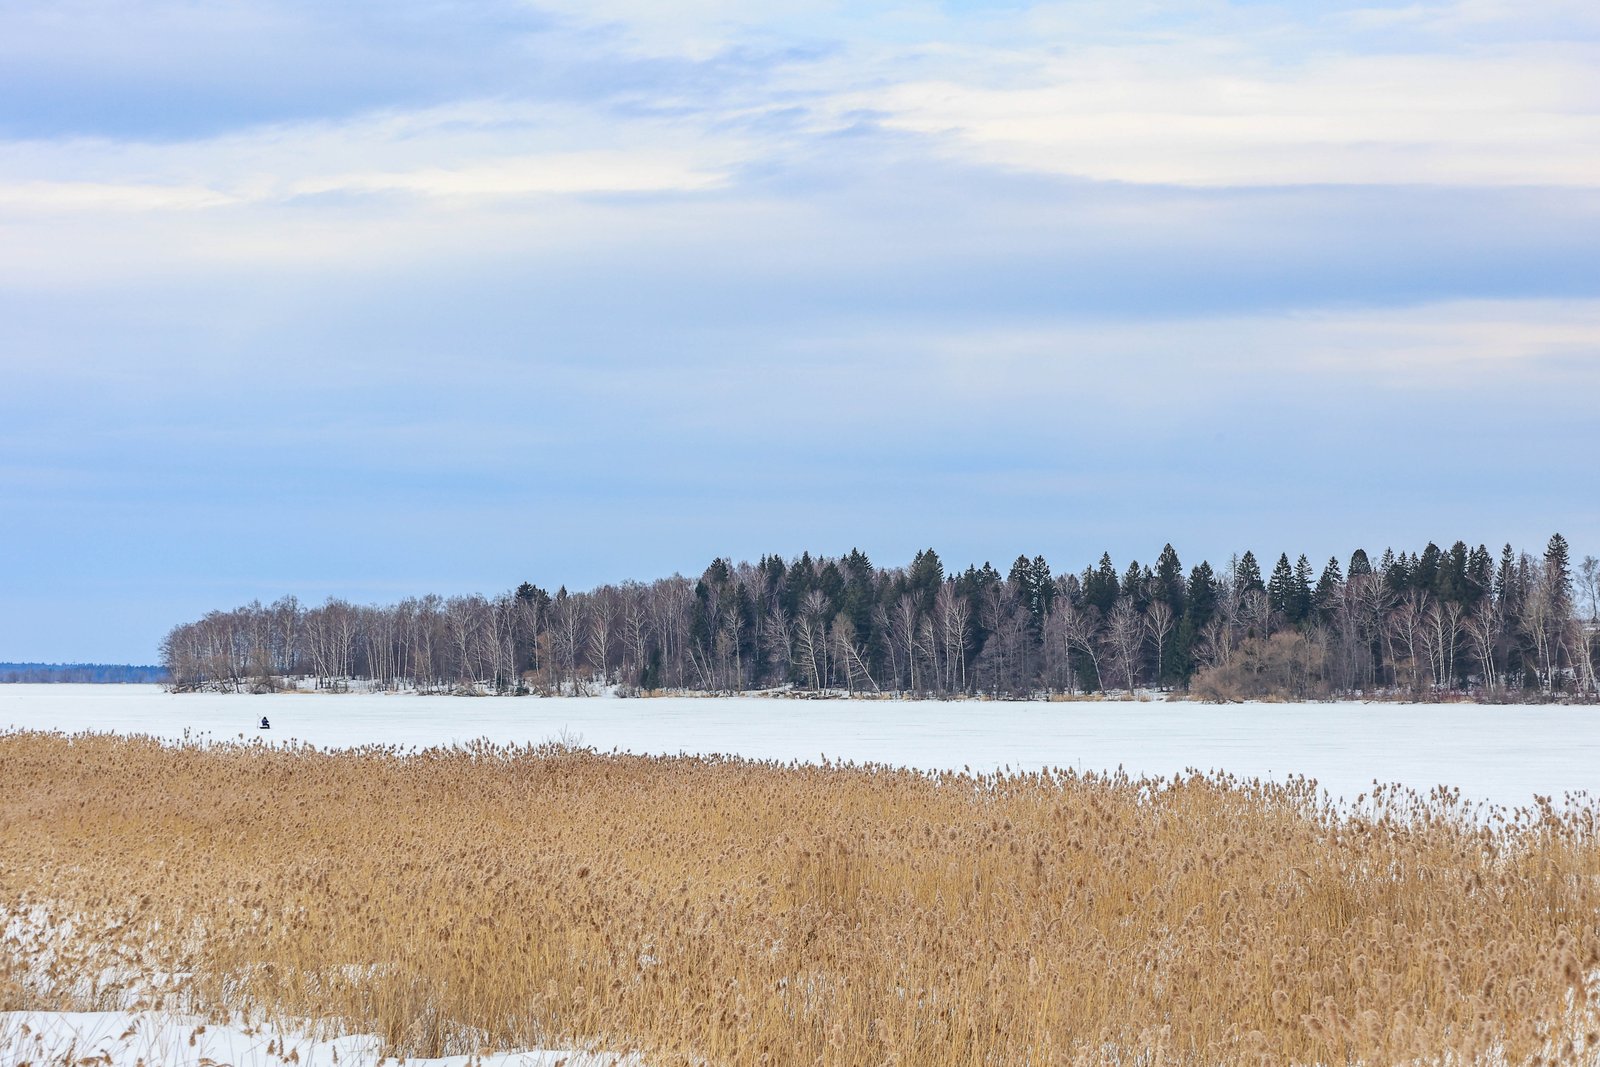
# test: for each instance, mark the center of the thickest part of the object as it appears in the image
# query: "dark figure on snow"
(265, 725)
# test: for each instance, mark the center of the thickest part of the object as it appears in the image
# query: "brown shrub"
(730, 912)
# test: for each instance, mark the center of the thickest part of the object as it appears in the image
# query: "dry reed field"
(728, 912)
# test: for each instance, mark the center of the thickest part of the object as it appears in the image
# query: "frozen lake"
(1502, 754)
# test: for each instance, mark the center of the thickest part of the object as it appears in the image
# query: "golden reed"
(720, 911)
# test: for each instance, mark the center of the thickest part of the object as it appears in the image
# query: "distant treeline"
(81, 672)
(1434, 623)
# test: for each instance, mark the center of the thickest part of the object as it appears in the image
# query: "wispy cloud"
(495, 272)
(1161, 116)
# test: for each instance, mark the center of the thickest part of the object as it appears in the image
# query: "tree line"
(96, 673)
(1431, 623)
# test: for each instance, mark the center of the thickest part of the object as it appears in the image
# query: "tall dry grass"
(730, 912)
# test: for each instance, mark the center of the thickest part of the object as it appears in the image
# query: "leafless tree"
(1484, 628)
(889, 628)
(1158, 621)
(811, 640)
(954, 612)
(636, 628)
(567, 639)
(1255, 613)
(778, 635)
(851, 655)
(604, 607)
(1079, 630)
(903, 631)
(1125, 640)
(1406, 627)
(1442, 621)
(670, 604)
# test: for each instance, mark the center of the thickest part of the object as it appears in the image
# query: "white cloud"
(1177, 363)
(73, 197)
(1175, 115)
(552, 173)
(1061, 89)
(458, 152)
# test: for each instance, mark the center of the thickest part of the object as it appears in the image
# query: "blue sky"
(441, 296)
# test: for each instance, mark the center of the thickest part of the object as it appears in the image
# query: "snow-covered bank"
(148, 1039)
(1503, 754)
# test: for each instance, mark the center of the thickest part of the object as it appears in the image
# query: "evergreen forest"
(90, 673)
(1439, 623)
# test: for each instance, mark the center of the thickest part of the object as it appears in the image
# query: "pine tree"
(1507, 590)
(1480, 575)
(860, 594)
(1045, 584)
(700, 622)
(1200, 604)
(1247, 574)
(831, 580)
(858, 567)
(1100, 586)
(1168, 584)
(1425, 572)
(1359, 563)
(1396, 572)
(650, 675)
(1134, 587)
(1300, 591)
(772, 571)
(802, 579)
(925, 577)
(1558, 576)
(1280, 588)
(1451, 583)
(1201, 595)
(1031, 579)
(1325, 599)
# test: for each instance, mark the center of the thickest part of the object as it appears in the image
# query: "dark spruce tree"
(1451, 582)
(1300, 600)
(1135, 583)
(1330, 590)
(1199, 607)
(1425, 571)
(1100, 586)
(1558, 576)
(1396, 570)
(1166, 587)
(1280, 588)
(724, 630)
(1480, 575)
(925, 578)
(1247, 574)
(1168, 584)
(1507, 587)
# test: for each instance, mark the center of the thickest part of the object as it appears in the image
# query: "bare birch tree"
(1125, 640)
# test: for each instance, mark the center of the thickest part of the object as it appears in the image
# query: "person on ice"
(265, 725)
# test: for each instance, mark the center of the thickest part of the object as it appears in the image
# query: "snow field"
(841, 914)
(1495, 754)
(160, 1039)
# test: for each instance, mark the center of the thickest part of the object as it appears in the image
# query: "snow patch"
(145, 1038)
(1501, 754)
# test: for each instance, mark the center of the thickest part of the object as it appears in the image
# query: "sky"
(375, 299)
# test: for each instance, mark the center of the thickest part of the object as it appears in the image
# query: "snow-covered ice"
(1502, 754)
(130, 1038)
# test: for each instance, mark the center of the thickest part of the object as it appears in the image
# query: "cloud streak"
(399, 296)
(1144, 117)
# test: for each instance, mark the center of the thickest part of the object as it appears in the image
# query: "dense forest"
(81, 672)
(1437, 623)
